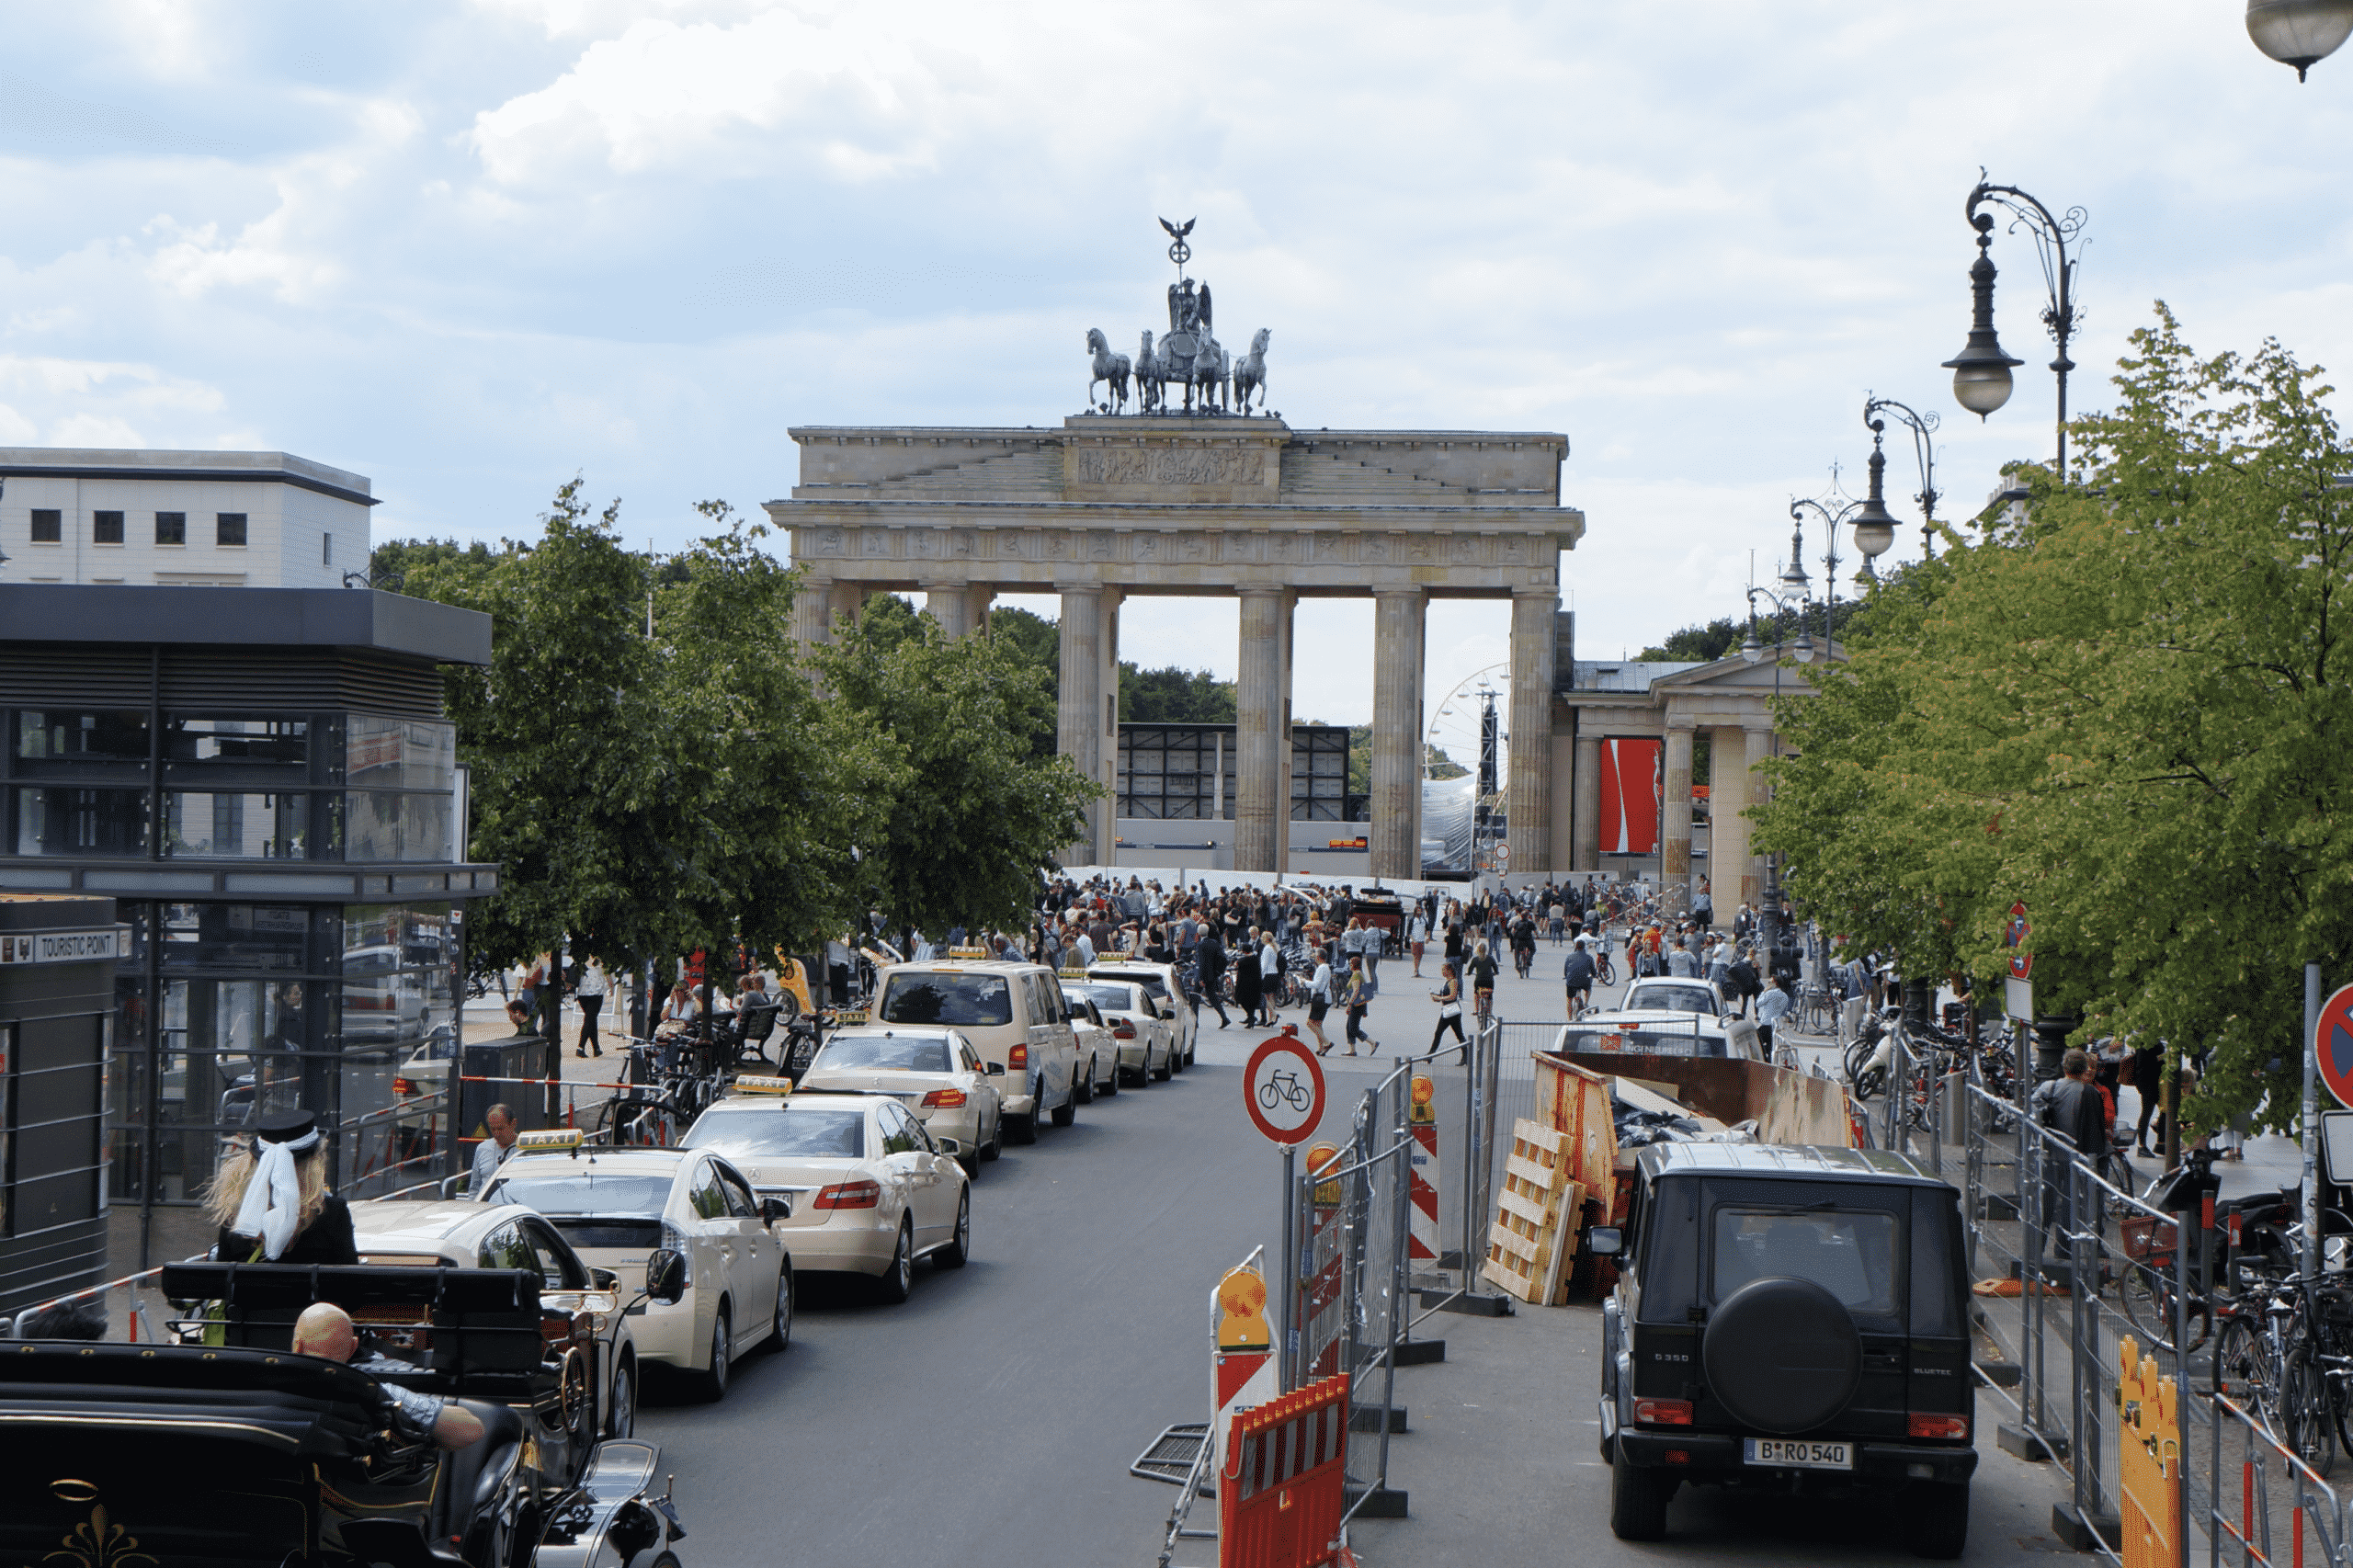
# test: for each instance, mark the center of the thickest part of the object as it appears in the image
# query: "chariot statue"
(1187, 356)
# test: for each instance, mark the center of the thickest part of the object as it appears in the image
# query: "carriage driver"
(325, 1330)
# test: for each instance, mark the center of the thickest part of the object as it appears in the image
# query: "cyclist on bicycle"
(1482, 982)
(1577, 974)
(1523, 943)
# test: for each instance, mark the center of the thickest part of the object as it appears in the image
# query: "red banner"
(1629, 796)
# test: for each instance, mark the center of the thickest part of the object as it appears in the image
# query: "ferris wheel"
(1456, 726)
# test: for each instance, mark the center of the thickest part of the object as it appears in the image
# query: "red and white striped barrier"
(1421, 1239)
(1281, 1492)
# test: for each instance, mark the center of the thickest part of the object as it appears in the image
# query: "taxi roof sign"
(553, 1138)
(755, 1084)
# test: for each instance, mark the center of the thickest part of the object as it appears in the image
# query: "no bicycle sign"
(1283, 1090)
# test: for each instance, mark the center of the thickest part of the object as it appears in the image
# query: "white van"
(1014, 1015)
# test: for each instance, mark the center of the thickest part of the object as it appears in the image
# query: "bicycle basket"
(2145, 1236)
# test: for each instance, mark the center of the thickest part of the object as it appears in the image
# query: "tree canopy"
(2120, 706)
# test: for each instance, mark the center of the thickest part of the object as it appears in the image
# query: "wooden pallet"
(1537, 1213)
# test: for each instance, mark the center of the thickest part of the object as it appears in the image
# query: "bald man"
(325, 1330)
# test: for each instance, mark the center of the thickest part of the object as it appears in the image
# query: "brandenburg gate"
(1210, 500)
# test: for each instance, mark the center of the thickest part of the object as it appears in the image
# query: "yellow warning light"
(1242, 1311)
(1320, 1158)
(1424, 1090)
(1423, 1113)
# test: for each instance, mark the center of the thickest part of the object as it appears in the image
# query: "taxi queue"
(862, 1167)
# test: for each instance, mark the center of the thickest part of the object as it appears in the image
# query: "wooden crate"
(1535, 1226)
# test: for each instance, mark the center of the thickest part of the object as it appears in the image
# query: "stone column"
(1400, 620)
(1262, 807)
(1675, 817)
(1586, 789)
(946, 604)
(1528, 790)
(1731, 876)
(1284, 758)
(1079, 727)
(1107, 834)
(978, 598)
(1760, 746)
(843, 603)
(813, 613)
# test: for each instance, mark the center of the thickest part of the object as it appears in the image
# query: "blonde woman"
(270, 1199)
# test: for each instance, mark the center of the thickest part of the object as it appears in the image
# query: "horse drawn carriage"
(230, 1448)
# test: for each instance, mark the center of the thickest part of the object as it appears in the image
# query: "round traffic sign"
(1283, 1089)
(2334, 1044)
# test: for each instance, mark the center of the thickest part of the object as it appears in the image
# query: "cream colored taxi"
(872, 1189)
(1167, 993)
(1146, 1043)
(619, 1207)
(933, 1072)
(461, 1233)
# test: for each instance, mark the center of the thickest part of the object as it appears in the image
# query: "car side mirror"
(949, 1145)
(1606, 1241)
(604, 1279)
(996, 1069)
(665, 1277)
(776, 1208)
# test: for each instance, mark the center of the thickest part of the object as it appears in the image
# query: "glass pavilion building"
(264, 781)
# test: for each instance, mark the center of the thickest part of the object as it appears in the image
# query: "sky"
(473, 249)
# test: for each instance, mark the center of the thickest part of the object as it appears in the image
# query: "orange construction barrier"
(1280, 1497)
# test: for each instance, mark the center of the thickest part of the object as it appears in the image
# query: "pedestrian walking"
(1270, 976)
(1356, 999)
(590, 993)
(1772, 1003)
(1246, 985)
(1448, 997)
(1319, 1001)
(1681, 962)
(1418, 936)
(1211, 965)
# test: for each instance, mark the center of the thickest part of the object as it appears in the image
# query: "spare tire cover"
(1781, 1355)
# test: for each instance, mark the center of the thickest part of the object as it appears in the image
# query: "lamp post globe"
(1981, 371)
(2301, 33)
(1752, 650)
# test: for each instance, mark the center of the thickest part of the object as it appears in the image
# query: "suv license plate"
(1799, 1455)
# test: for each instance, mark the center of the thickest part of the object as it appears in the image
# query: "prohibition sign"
(2333, 1043)
(1283, 1090)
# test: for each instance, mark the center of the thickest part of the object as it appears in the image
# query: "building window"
(170, 527)
(105, 528)
(229, 527)
(48, 526)
(327, 550)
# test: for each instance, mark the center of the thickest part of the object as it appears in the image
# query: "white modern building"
(179, 520)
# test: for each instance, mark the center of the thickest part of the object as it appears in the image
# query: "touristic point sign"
(1283, 1090)
(2333, 1043)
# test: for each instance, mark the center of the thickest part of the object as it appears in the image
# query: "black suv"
(1794, 1319)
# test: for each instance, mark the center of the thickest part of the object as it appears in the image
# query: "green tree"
(2125, 708)
(965, 814)
(1174, 696)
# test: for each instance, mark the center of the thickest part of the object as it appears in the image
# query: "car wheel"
(714, 1381)
(1067, 1112)
(1025, 1128)
(621, 1420)
(995, 1145)
(1085, 1093)
(1178, 1060)
(960, 1250)
(1936, 1520)
(898, 1281)
(780, 1328)
(1168, 1068)
(1638, 1499)
(1111, 1084)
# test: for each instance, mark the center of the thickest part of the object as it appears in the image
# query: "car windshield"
(585, 1192)
(1673, 998)
(905, 1053)
(832, 1130)
(1652, 1039)
(1852, 1255)
(936, 998)
(1112, 998)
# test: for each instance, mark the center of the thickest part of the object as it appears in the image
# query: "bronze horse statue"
(1149, 374)
(1108, 367)
(1250, 373)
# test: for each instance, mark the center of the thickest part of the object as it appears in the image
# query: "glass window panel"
(54, 821)
(250, 937)
(243, 827)
(399, 754)
(198, 747)
(379, 825)
(50, 744)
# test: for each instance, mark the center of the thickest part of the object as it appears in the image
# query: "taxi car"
(933, 1072)
(460, 1233)
(1014, 1015)
(618, 1207)
(1146, 1041)
(1167, 994)
(1099, 1049)
(872, 1189)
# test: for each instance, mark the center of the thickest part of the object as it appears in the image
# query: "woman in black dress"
(1249, 989)
(271, 1200)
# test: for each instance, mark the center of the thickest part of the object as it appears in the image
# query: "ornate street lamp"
(2301, 33)
(1981, 371)
(1769, 918)
(1924, 449)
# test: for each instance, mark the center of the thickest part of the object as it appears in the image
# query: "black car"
(1791, 1320)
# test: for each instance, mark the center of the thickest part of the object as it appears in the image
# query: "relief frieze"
(1170, 466)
